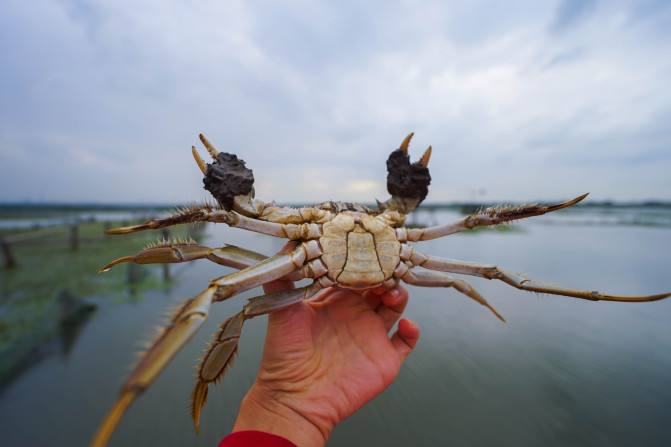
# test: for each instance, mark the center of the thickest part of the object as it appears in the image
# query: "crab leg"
(189, 318)
(204, 213)
(231, 218)
(490, 216)
(182, 326)
(176, 252)
(223, 348)
(423, 278)
(265, 271)
(519, 281)
(235, 257)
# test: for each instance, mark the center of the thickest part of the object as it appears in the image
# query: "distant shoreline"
(29, 209)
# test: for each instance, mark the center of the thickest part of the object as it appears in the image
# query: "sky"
(521, 100)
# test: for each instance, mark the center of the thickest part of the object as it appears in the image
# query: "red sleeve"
(253, 438)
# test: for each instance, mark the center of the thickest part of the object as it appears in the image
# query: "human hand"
(324, 359)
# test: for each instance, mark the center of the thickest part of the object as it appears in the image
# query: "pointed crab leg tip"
(198, 398)
(112, 419)
(496, 314)
(129, 229)
(426, 157)
(113, 231)
(568, 203)
(117, 261)
(580, 198)
(406, 143)
(576, 200)
(199, 161)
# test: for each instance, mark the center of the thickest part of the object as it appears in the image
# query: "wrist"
(261, 411)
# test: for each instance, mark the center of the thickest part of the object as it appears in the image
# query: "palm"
(328, 358)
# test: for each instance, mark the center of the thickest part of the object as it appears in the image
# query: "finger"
(392, 305)
(278, 285)
(380, 290)
(372, 299)
(405, 339)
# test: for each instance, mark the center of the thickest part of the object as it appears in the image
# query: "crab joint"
(163, 254)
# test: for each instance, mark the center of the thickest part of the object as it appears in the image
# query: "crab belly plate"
(356, 257)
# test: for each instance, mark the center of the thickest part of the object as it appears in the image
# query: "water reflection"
(561, 372)
(74, 315)
(57, 335)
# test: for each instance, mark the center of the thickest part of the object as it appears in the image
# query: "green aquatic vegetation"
(30, 311)
(47, 210)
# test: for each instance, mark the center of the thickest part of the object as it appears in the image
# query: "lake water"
(102, 216)
(560, 372)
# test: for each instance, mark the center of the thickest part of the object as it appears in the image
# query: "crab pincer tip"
(199, 161)
(406, 143)
(426, 157)
(213, 152)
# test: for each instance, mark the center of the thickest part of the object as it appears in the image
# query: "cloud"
(570, 12)
(102, 101)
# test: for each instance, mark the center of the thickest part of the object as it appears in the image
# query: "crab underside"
(334, 244)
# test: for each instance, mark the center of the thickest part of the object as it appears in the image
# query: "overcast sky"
(521, 100)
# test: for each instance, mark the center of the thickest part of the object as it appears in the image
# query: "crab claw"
(228, 179)
(164, 253)
(408, 183)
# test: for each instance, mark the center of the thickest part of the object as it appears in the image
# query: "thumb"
(285, 320)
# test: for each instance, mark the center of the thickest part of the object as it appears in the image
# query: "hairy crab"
(334, 244)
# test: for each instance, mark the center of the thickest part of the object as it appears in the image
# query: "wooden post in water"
(133, 274)
(74, 237)
(10, 261)
(166, 267)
